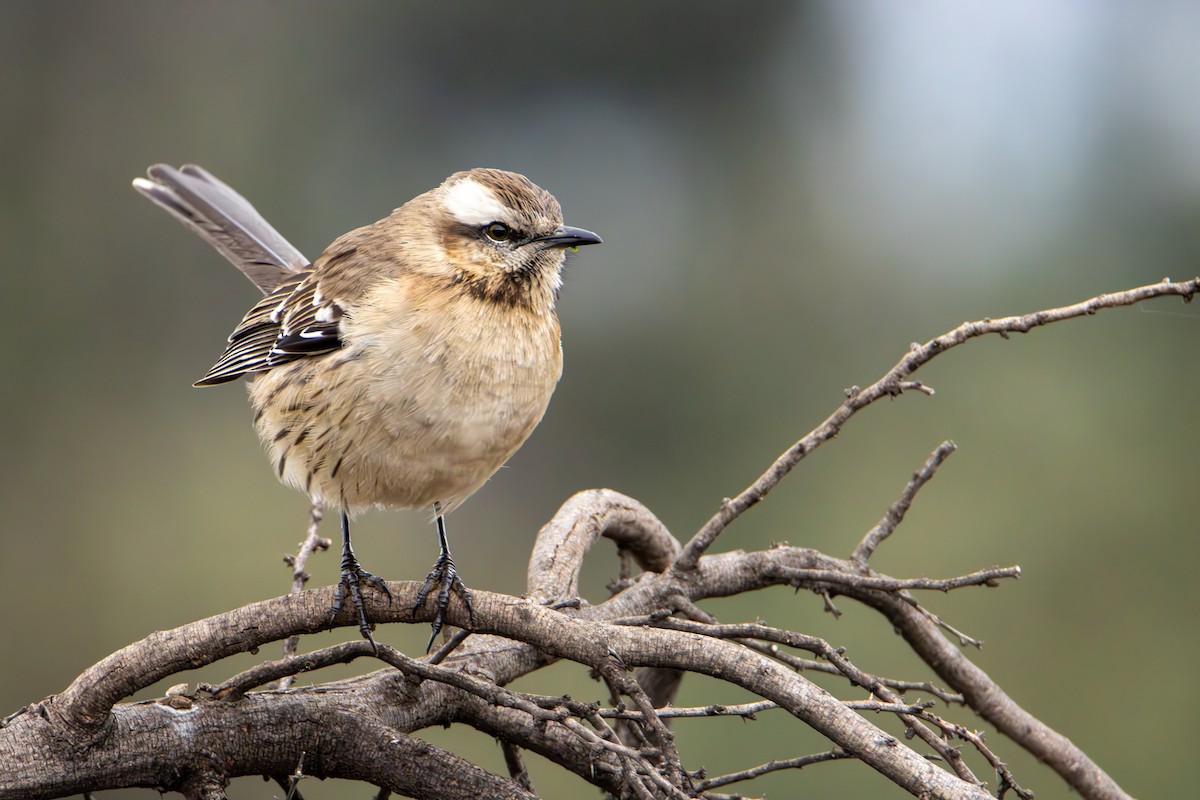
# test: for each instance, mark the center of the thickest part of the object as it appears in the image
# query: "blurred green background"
(790, 194)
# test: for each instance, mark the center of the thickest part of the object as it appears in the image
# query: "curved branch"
(563, 541)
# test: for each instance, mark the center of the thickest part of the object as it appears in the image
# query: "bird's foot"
(445, 577)
(353, 578)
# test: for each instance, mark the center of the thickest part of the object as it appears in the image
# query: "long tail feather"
(224, 219)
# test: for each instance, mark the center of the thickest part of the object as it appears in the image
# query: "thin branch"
(6, 720)
(603, 738)
(744, 710)
(844, 582)
(613, 671)
(986, 577)
(771, 766)
(291, 783)
(897, 510)
(290, 666)
(686, 608)
(808, 665)
(515, 763)
(894, 382)
(634, 783)
(449, 647)
(754, 630)
(976, 740)
(313, 542)
(751, 710)
(888, 708)
(541, 708)
(914, 386)
(963, 638)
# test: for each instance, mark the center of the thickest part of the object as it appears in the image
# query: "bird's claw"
(445, 577)
(351, 583)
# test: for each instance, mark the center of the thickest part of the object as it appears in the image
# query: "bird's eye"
(499, 232)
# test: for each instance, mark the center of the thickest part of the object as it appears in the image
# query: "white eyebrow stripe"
(473, 204)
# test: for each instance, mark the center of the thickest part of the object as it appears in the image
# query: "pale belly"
(406, 427)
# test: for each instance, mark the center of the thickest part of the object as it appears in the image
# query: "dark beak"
(566, 236)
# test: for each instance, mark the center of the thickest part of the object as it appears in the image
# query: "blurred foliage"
(789, 195)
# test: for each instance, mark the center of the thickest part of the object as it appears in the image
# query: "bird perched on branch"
(406, 364)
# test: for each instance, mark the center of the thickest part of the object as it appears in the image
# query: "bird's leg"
(353, 577)
(445, 577)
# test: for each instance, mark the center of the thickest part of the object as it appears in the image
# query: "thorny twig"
(313, 542)
(834, 578)
(771, 766)
(895, 513)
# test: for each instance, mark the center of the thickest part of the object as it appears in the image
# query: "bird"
(407, 363)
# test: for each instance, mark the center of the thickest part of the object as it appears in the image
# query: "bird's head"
(502, 236)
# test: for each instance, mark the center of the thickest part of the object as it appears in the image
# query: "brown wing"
(300, 319)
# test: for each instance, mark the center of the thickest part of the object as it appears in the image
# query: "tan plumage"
(430, 394)
(413, 357)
